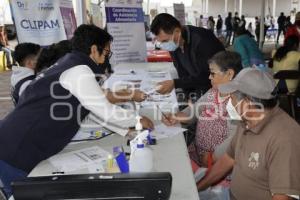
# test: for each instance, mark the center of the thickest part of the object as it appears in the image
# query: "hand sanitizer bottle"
(141, 159)
(138, 126)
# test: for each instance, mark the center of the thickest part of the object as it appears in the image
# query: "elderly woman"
(213, 126)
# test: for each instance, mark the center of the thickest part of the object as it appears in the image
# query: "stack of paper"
(162, 131)
(93, 158)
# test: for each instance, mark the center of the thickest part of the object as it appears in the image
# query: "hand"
(172, 119)
(147, 123)
(169, 119)
(138, 96)
(165, 87)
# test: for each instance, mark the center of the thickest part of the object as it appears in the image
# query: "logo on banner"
(46, 6)
(22, 5)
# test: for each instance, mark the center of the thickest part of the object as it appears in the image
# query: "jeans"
(9, 174)
(228, 37)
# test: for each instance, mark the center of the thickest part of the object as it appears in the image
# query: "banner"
(179, 12)
(5, 15)
(125, 22)
(43, 21)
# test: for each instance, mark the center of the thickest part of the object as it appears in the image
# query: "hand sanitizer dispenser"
(138, 126)
(141, 159)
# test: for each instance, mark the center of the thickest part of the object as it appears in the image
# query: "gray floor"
(6, 104)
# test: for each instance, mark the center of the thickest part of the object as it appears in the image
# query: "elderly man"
(265, 152)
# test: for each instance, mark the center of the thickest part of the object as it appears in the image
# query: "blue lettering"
(55, 23)
(40, 24)
(24, 24)
(46, 25)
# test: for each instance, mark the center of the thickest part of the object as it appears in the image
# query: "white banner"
(43, 21)
(125, 22)
(179, 12)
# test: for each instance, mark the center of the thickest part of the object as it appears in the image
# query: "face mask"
(169, 46)
(233, 114)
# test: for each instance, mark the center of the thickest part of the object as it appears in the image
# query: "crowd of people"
(230, 25)
(240, 134)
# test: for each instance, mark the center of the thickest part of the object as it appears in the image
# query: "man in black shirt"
(229, 28)
(190, 48)
(281, 25)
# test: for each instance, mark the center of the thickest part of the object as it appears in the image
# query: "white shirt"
(81, 83)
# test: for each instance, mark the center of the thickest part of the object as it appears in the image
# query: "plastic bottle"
(141, 159)
(138, 125)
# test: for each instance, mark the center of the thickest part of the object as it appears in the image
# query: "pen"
(164, 115)
(58, 172)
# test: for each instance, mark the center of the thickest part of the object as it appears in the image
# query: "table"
(170, 154)
(158, 56)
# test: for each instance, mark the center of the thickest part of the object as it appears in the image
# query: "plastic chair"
(283, 92)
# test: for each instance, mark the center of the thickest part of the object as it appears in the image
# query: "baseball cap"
(253, 82)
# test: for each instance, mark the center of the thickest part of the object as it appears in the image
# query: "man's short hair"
(85, 36)
(24, 51)
(164, 22)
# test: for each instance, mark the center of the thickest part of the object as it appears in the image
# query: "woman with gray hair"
(213, 126)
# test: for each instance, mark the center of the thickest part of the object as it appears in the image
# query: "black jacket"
(30, 133)
(192, 64)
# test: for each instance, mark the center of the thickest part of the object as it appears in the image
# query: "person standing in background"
(211, 24)
(228, 24)
(242, 23)
(4, 46)
(219, 26)
(200, 24)
(281, 25)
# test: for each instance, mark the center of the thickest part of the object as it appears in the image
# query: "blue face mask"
(169, 46)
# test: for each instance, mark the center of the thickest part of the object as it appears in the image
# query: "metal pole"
(148, 6)
(241, 7)
(226, 6)
(262, 24)
(274, 8)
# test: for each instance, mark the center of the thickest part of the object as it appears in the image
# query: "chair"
(283, 92)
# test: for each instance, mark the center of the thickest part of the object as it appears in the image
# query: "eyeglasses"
(109, 53)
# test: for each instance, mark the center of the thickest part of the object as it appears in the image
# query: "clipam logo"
(22, 5)
(46, 6)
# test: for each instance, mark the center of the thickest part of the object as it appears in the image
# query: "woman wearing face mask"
(53, 106)
(213, 124)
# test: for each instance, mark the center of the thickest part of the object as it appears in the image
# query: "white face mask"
(233, 114)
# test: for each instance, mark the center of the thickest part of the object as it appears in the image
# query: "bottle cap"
(140, 144)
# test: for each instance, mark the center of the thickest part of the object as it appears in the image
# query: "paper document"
(80, 159)
(162, 131)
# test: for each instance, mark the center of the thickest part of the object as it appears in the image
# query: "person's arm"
(124, 96)
(281, 197)
(219, 170)
(81, 83)
(192, 82)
